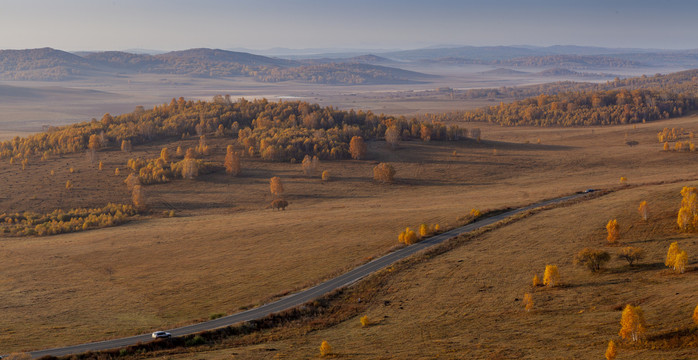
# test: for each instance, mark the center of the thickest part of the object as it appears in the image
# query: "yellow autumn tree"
(232, 161)
(357, 148)
(100, 166)
(408, 237)
(423, 230)
(326, 175)
(528, 301)
(611, 351)
(695, 315)
(623, 180)
(666, 146)
(475, 213)
(190, 167)
(671, 254)
(536, 280)
(632, 323)
(613, 231)
(68, 184)
(126, 146)
(551, 277)
(275, 186)
(325, 349)
(365, 321)
(642, 209)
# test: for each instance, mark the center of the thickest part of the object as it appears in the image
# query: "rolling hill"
(50, 64)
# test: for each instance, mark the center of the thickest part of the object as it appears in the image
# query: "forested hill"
(279, 131)
(51, 64)
(632, 100)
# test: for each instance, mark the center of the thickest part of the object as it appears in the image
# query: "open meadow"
(227, 250)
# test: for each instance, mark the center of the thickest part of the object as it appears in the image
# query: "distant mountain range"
(52, 64)
(332, 68)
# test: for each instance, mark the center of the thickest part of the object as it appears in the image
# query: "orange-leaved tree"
(408, 237)
(671, 254)
(357, 147)
(536, 280)
(275, 186)
(384, 173)
(680, 262)
(695, 315)
(613, 231)
(642, 209)
(632, 323)
(165, 155)
(611, 351)
(326, 175)
(365, 321)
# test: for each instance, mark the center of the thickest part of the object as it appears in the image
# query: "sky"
(92, 25)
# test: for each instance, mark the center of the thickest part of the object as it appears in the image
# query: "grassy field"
(227, 250)
(466, 303)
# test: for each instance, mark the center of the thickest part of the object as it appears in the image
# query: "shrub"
(68, 185)
(325, 349)
(613, 231)
(551, 277)
(632, 323)
(623, 180)
(591, 258)
(195, 341)
(279, 204)
(365, 321)
(631, 254)
(536, 280)
(384, 173)
(695, 315)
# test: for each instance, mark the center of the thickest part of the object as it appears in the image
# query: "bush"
(195, 341)
(591, 258)
(384, 173)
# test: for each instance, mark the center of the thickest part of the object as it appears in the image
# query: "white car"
(161, 335)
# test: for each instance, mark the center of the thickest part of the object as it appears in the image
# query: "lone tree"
(357, 148)
(631, 254)
(671, 254)
(695, 315)
(632, 323)
(232, 161)
(591, 258)
(275, 186)
(551, 277)
(365, 321)
(643, 210)
(613, 231)
(326, 176)
(384, 173)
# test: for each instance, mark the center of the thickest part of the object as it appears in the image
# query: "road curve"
(304, 296)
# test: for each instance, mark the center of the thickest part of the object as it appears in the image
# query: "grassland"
(466, 303)
(227, 250)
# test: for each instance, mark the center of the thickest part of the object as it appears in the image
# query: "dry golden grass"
(227, 249)
(467, 303)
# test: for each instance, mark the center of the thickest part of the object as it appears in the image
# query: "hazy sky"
(260, 24)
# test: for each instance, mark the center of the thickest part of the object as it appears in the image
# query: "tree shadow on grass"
(636, 268)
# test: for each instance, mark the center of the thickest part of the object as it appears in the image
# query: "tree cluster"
(60, 221)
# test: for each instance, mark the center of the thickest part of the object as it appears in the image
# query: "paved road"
(304, 296)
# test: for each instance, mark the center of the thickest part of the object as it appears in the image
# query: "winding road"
(304, 296)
